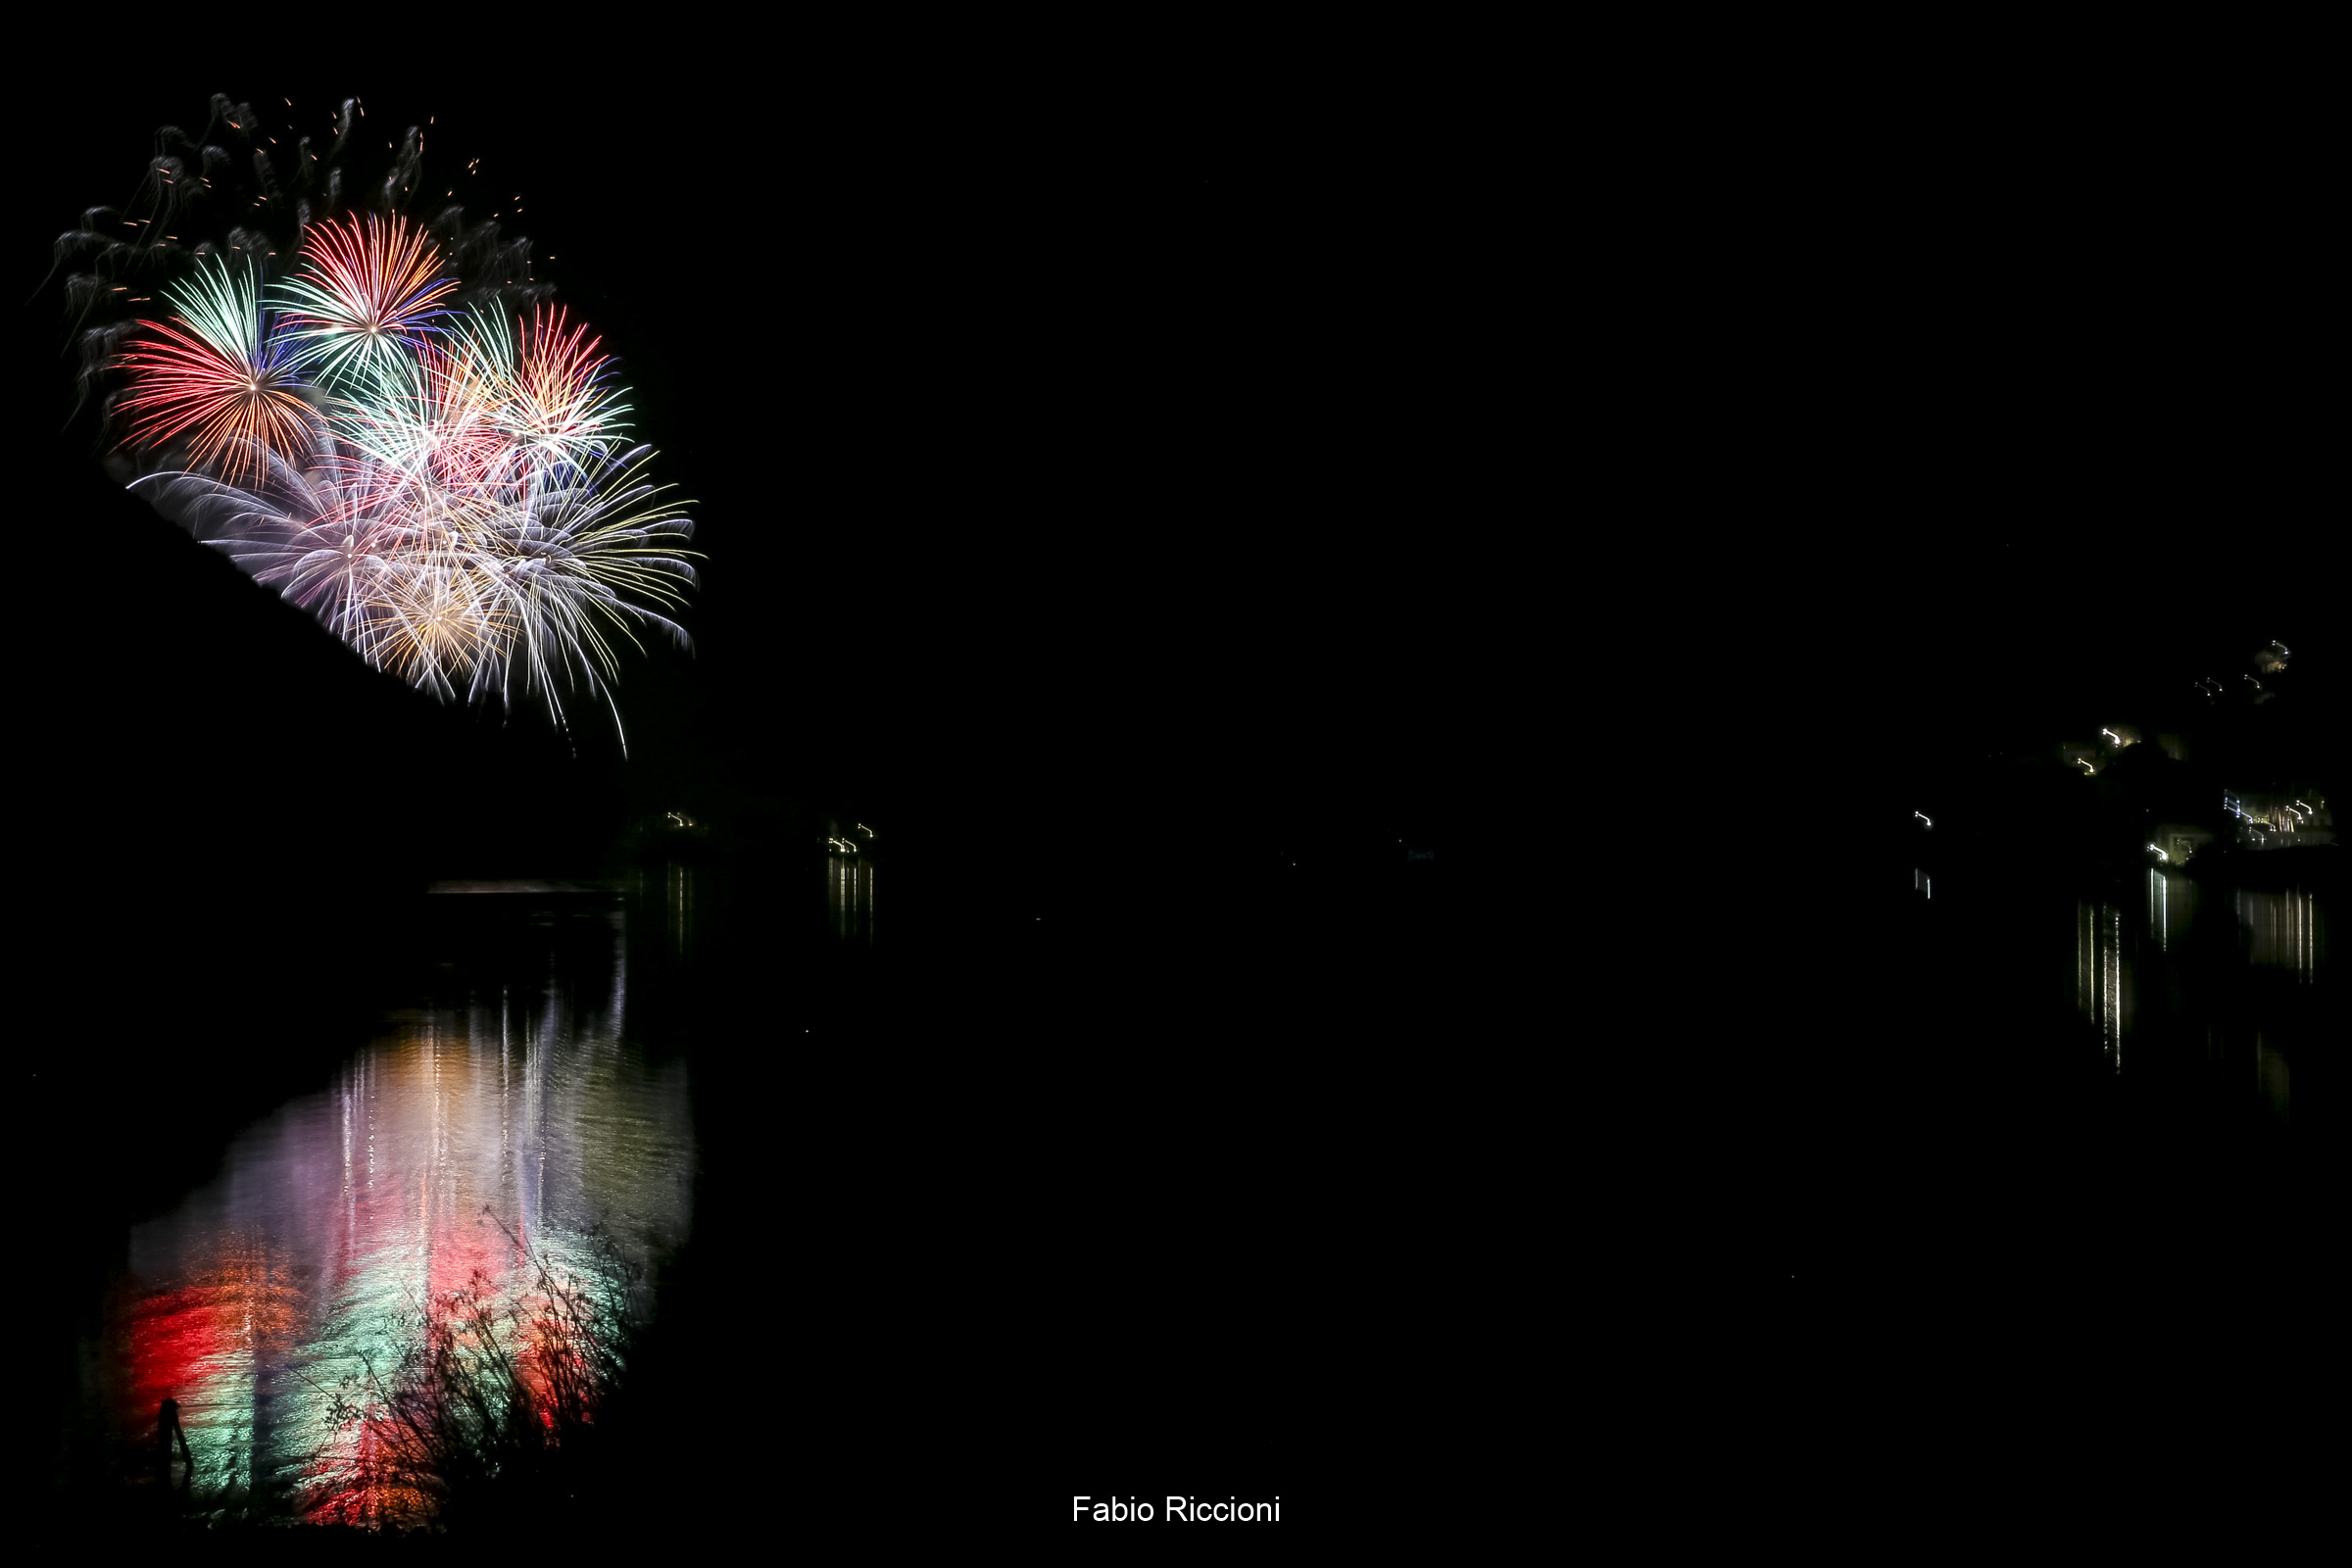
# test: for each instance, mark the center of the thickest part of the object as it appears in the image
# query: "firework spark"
(221, 375)
(369, 290)
(562, 403)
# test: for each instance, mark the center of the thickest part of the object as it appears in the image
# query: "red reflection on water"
(199, 1345)
(178, 1345)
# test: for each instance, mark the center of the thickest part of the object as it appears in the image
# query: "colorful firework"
(401, 437)
(221, 375)
(368, 291)
(562, 403)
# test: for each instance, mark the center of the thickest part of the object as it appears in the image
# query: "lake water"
(2090, 1080)
(2201, 975)
(525, 1120)
(820, 1123)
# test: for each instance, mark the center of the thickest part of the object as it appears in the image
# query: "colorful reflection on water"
(522, 1120)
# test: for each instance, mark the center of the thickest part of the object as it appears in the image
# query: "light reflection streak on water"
(850, 896)
(2282, 930)
(347, 1209)
(678, 903)
(2121, 965)
(2103, 983)
(2271, 1076)
(2115, 987)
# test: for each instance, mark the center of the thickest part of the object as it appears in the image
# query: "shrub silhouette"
(487, 1414)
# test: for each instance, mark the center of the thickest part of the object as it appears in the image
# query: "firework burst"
(219, 375)
(562, 403)
(368, 291)
(431, 461)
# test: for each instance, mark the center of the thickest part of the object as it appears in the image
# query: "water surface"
(466, 1140)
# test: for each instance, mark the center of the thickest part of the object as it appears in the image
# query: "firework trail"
(382, 419)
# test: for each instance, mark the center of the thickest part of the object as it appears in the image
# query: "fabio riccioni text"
(1176, 1511)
